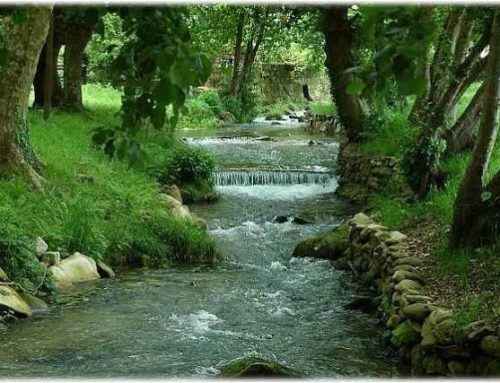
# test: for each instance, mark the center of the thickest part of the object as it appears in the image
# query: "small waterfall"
(249, 177)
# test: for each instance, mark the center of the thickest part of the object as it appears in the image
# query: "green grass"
(91, 204)
(326, 108)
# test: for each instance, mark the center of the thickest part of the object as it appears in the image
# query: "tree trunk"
(461, 135)
(252, 49)
(26, 40)
(233, 86)
(338, 49)
(76, 40)
(425, 16)
(57, 91)
(471, 225)
(49, 71)
(449, 81)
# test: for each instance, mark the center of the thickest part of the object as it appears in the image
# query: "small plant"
(469, 311)
(188, 166)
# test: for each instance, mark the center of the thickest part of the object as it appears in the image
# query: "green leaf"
(355, 87)
(164, 92)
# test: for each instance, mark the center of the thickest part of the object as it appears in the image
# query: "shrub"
(212, 100)
(199, 115)
(18, 260)
(188, 166)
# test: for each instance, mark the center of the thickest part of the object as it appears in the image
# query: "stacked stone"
(423, 333)
(321, 123)
(369, 171)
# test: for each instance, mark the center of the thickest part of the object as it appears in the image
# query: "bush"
(188, 166)
(18, 260)
(81, 228)
(199, 115)
(212, 100)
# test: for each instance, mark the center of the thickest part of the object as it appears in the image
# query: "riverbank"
(463, 283)
(102, 208)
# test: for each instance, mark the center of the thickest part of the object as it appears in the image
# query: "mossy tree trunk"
(57, 91)
(338, 49)
(26, 40)
(477, 208)
(461, 135)
(452, 73)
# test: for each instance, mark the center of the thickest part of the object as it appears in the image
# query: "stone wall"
(321, 123)
(423, 333)
(278, 82)
(362, 175)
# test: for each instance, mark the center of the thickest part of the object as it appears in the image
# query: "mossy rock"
(405, 335)
(254, 366)
(331, 245)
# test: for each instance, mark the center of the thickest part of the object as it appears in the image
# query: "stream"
(190, 321)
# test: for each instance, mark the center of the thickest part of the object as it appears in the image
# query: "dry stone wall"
(423, 333)
(362, 175)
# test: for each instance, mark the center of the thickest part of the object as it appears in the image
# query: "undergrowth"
(91, 204)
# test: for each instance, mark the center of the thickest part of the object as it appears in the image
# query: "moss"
(254, 366)
(404, 335)
(331, 245)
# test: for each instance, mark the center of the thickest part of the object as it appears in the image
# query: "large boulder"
(76, 268)
(10, 300)
(177, 209)
(254, 366)
(331, 245)
(61, 279)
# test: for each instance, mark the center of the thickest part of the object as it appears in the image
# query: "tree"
(38, 83)
(73, 29)
(339, 58)
(457, 64)
(155, 68)
(79, 24)
(25, 41)
(477, 206)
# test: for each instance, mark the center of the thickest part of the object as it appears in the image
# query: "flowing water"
(190, 321)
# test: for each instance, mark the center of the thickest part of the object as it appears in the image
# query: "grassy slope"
(118, 216)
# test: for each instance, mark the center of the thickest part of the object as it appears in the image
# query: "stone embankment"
(425, 335)
(362, 175)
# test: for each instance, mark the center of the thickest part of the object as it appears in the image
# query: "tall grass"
(91, 204)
